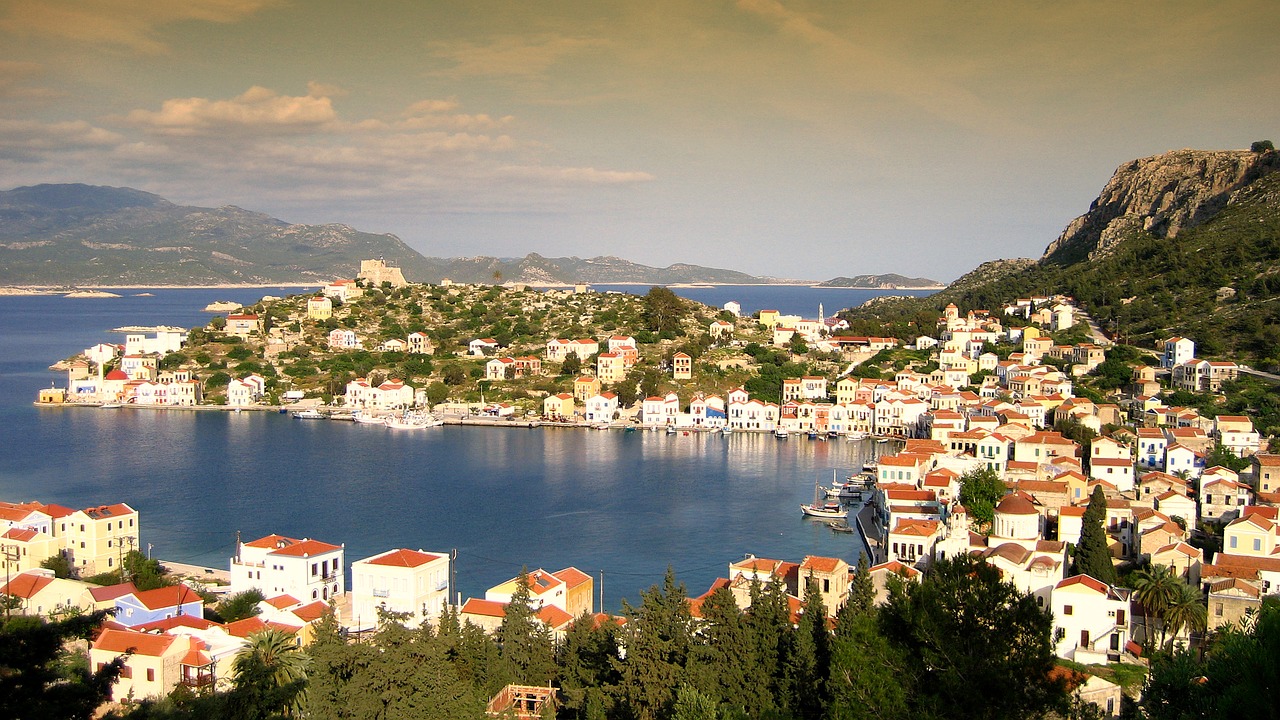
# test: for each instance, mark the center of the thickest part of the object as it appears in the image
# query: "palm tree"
(1154, 588)
(273, 668)
(1185, 610)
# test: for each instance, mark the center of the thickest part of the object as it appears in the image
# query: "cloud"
(28, 140)
(133, 24)
(258, 110)
(510, 55)
(276, 152)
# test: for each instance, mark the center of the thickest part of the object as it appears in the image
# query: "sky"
(791, 138)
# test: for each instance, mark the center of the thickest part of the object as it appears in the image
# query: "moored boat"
(840, 526)
(780, 433)
(822, 508)
(309, 414)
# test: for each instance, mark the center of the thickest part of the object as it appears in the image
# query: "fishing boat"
(813, 434)
(780, 433)
(857, 435)
(309, 414)
(671, 429)
(368, 419)
(412, 421)
(840, 526)
(110, 406)
(726, 430)
(823, 508)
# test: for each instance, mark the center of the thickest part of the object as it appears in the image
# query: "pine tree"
(658, 638)
(719, 665)
(525, 641)
(1092, 555)
(585, 666)
(809, 664)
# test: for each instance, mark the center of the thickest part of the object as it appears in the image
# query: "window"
(1066, 610)
(314, 568)
(1233, 541)
(1257, 544)
(126, 672)
(151, 675)
(1217, 609)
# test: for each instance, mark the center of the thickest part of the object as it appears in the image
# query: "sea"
(622, 506)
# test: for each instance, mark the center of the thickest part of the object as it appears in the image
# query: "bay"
(627, 505)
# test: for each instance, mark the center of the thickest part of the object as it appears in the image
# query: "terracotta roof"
(1235, 583)
(111, 592)
(488, 608)
(572, 577)
(553, 616)
(311, 611)
(19, 534)
(896, 567)
(1087, 581)
(910, 526)
(190, 621)
(281, 602)
(26, 585)
(403, 558)
(252, 625)
(139, 643)
(820, 564)
(1016, 503)
(167, 597)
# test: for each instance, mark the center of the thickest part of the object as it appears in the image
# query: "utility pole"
(453, 574)
(602, 591)
(11, 555)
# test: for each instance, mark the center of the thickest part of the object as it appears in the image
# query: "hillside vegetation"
(1217, 280)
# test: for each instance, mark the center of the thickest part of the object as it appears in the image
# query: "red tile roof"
(139, 643)
(26, 585)
(404, 558)
(487, 608)
(167, 597)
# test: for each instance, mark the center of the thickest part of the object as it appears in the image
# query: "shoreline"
(23, 290)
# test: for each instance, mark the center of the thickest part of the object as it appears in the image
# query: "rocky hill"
(890, 281)
(1187, 242)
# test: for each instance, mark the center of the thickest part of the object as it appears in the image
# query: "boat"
(671, 429)
(110, 406)
(726, 430)
(309, 414)
(833, 434)
(813, 434)
(822, 508)
(881, 441)
(412, 421)
(840, 526)
(857, 435)
(780, 433)
(368, 419)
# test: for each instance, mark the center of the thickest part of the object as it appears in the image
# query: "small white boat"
(671, 429)
(780, 433)
(857, 435)
(367, 419)
(311, 414)
(726, 430)
(823, 508)
(110, 406)
(412, 421)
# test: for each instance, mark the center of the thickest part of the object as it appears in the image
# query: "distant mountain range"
(65, 235)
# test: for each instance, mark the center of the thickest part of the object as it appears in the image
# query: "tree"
(663, 311)
(869, 675)
(862, 596)
(59, 564)
(797, 345)
(1186, 611)
(270, 675)
(658, 638)
(980, 490)
(35, 682)
(970, 638)
(437, 392)
(1153, 588)
(525, 642)
(810, 661)
(454, 375)
(1093, 554)
(572, 364)
(1259, 146)
(239, 606)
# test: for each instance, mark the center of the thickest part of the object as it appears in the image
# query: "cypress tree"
(1092, 556)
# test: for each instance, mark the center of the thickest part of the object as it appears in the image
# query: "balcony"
(198, 681)
(381, 593)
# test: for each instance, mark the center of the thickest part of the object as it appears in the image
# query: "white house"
(1177, 350)
(1091, 619)
(601, 408)
(403, 581)
(306, 569)
(482, 346)
(391, 394)
(343, 339)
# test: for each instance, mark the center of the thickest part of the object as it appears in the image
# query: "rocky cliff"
(1164, 195)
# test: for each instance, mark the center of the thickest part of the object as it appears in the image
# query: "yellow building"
(558, 406)
(769, 318)
(319, 308)
(24, 549)
(585, 387)
(97, 538)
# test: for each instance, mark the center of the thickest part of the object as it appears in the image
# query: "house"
(558, 407)
(1091, 620)
(1177, 351)
(1232, 600)
(912, 541)
(560, 348)
(319, 308)
(660, 411)
(38, 593)
(25, 549)
(610, 367)
(343, 339)
(1042, 447)
(413, 582)
(392, 345)
(94, 539)
(681, 366)
(154, 664)
(1255, 534)
(343, 291)
(1236, 433)
(1179, 458)
(570, 590)
(480, 347)
(1223, 499)
(306, 569)
(585, 387)
(144, 606)
(1116, 471)
(501, 369)
(880, 577)
(601, 408)
(832, 578)
(419, 343)
(245, 391)
(243, 325)
(618, 342)
(720, 330)
(1151, 448)
(391, 394)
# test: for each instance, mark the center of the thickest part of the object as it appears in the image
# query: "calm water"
(627, 504)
